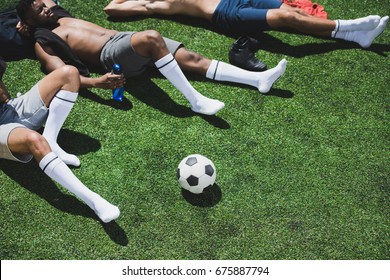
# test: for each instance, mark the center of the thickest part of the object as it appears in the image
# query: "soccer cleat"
(241, 55)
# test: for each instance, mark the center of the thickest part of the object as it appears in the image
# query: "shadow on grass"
(149, 93)
(125, 105)
(274, 45)
(210, 197)
(31, 177)
(143, 88)
(269, 43)
(185, 20)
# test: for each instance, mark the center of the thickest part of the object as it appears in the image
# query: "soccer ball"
(195, 173)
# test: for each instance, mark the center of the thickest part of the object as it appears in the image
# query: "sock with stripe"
(59, 109)
(363, 37)
(57, 170)
(168, 67)
(365, 23)
(263, 81)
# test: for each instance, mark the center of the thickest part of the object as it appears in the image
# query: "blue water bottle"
(117, 93)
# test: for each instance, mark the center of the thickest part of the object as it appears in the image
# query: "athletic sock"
(364, 38)
(59, 109)
(263, 81)
(365, 23)
(200, 104)
(57, 170)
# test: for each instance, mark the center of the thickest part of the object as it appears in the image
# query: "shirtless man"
(49, 102)
(255, 16)
(99, 47)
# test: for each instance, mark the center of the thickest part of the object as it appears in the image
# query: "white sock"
(59, 109)
(56, 169)
(263, 81)
(200, 104)
(364, 38)
(366, 23)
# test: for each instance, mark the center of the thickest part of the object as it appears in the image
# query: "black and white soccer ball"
(195, 173)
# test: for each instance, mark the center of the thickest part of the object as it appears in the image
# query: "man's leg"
(362, 37)
(59, 91)
(297, 19)
(368, 27)
(221, 71)
(151, 44)
(25, 141)
(125, 8)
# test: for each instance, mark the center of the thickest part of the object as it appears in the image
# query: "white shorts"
(28, 111)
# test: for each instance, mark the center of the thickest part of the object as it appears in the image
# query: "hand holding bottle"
(117, 93)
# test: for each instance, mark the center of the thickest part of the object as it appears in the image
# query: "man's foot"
(105, 210)
(270, 76)
(207, 106)
(364, 38)
(365, 23)
(241, 55)
(68, 159)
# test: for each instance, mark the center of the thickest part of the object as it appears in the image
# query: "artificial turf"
(302, 172)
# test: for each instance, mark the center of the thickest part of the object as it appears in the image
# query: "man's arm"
(124, 8)
(23, 28)
(49, 3)
(50, 61)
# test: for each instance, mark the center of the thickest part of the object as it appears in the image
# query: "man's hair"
(23, 7)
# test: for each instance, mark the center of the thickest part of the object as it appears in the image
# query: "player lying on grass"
(99, 47)
(49, 102)
(255, 16)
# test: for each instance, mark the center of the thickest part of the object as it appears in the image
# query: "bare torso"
(86, 39)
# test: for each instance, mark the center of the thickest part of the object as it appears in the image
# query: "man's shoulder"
(60, 12)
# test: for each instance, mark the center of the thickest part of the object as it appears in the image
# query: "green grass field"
(302, 172)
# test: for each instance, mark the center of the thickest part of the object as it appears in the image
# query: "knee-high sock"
(59, 109)
(168, 67)
(363, 37)
(57, 170)
(263, 81)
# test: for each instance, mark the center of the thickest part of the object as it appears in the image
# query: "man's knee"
(153, 38)
(69, 72)
(149, 43)
(36, 143)
(71, 77)
(282, 17)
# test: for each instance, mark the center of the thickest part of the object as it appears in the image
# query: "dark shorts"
(244, 16)
(119, 50)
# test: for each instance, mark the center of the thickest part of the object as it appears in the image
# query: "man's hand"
(110, 81)
(23, 29)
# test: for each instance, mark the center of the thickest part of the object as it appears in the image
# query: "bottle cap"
(117, 69)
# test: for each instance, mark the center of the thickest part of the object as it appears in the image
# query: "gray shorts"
(27, 110)
(119, 50)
